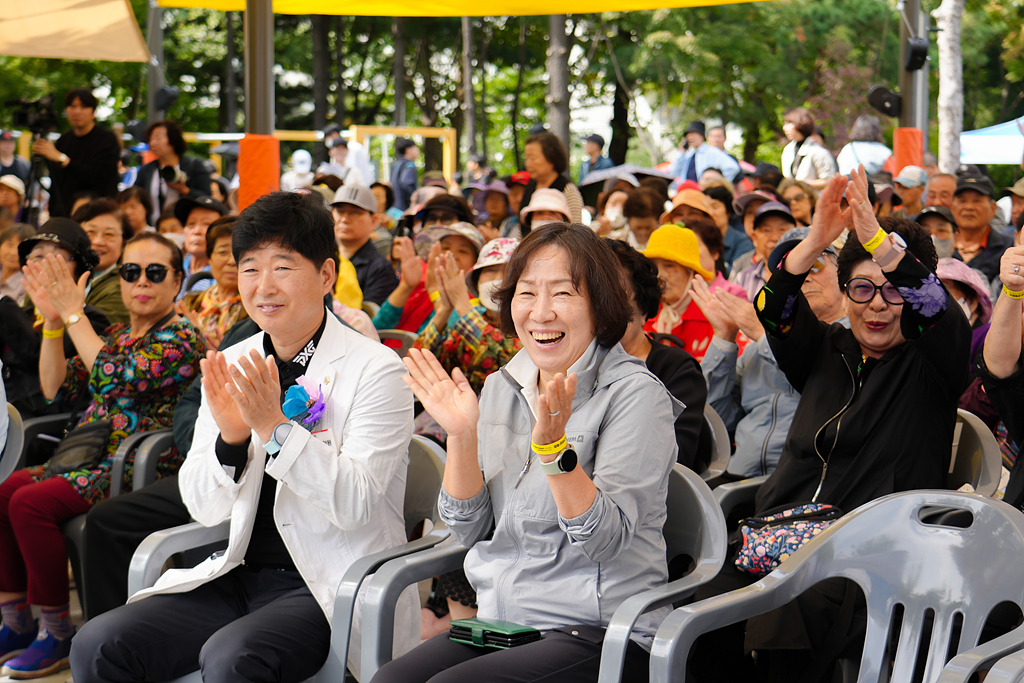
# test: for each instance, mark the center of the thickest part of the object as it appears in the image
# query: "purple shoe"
(13, 644)
(47, 655)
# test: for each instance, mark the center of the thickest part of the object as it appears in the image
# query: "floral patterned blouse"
(135, 383)
(470, 344)
(216, 314)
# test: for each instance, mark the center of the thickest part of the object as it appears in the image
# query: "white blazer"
(340, 494)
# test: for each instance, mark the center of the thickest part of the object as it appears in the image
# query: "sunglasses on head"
(155, 272)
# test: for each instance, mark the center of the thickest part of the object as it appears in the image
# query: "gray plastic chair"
(11, 455)
(426, 470)
(955, 575)
(405, 337)
(721, 445)
(371, 309)
(695, 527)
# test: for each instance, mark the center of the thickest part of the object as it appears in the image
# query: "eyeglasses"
(155, 272)
(819, 265)
(777, 230)
(862, 291)
(798, 197)
(440, 217)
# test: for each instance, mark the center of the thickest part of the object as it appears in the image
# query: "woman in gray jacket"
(557, 479)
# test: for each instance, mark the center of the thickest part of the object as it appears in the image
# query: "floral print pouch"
(770, 539)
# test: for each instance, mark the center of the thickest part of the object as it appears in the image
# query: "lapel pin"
(327, 380)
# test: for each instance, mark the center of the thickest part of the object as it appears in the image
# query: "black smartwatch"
(565, 462)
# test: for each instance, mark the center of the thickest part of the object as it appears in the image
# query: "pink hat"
(547, 200)
(960, 272)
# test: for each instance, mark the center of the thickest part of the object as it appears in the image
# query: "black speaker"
(884, 101)
(168, 95)
(916, 53)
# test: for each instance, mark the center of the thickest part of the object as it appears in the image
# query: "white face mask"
(944, 248)
(966, 306)
(487, 290)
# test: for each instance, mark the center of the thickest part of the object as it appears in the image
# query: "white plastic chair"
(10, 458)
(695, 527)
(950, 576)
(721, 445)
(423, 482)
(404, 337)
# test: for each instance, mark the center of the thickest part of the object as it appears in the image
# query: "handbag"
(83, 448)
(773, 537)
(500, 635)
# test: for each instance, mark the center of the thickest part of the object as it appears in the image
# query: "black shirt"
(19, 167)
(681, 374)
(92, 166)
(376, 277)
(266, 548)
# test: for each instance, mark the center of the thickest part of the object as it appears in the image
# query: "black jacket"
(681, 374)
(92, 166)
(884, 425)
(198, 181)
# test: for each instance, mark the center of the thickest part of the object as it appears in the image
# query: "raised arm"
(1003, 343)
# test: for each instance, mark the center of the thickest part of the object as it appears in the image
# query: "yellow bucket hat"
(678, 244)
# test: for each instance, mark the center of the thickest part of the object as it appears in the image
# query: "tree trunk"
(340, 112)
(519, 90)
(230, 82)
(751, 140)
(468, 100)
(621, 129)
(398, 32)
(321, 78)
(951, 83)
(558, 78)
(482, 111)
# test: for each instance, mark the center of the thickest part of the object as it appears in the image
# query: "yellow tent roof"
(83, 29)
(446, 8)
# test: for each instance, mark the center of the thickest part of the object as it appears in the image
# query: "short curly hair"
(643, 276)
(919, 243)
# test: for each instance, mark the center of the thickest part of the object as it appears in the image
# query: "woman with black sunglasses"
(132, 377)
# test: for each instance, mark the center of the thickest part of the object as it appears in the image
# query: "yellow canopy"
(446, 8)
(71, 29)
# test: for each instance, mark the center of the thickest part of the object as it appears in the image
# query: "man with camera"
(84, 158)
(173, 175)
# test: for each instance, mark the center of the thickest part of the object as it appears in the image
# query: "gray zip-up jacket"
(538, 568)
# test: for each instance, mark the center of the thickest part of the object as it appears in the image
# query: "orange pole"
(259, 167)
(908, 148)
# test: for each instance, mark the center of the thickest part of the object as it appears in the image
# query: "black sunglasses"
(155, 272)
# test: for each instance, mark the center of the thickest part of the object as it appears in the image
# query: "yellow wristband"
(873, 243)
(58, 333)
(1012, 294)
(434, 296)
(551, 448)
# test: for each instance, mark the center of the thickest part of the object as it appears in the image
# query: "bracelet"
(875, 241)
(58, 333)
(434, 296)
(551, 448)
(1008, 292)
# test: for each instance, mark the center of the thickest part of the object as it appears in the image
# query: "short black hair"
(643, 202)
(174, 135)
(296, 220)
(919, 243)
(721, 193)
(101, 207)
(177, 263)
(403, 144)
(220, 228)
(643, 275)
(389, 194)
(83, 95)
(593, 268)
(451, 203)
(139, 194)
(552, 149)
(223, 185)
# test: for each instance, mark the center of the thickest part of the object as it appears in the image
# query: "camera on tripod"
(39, 116)
(172, 175)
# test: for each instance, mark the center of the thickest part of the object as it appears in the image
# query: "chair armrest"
(117, 462)
(151, 554)
(41, 425)
(736, 492)
(334, 668)
(616, 637)
(383, 592)
(147, 456)
(1009, 669)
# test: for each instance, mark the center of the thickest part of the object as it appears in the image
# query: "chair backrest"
(371, 309)
(10, 458)
(423, 482)
(721, 445)
(695, 526)
(928, 582)
(405, 340)
(976, 459)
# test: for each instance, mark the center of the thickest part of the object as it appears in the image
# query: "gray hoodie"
(538, 568)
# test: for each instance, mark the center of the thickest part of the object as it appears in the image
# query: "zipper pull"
(824, 471)
(522, 473)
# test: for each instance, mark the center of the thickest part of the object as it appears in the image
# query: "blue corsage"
(299, 404)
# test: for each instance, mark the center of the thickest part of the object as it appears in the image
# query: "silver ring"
(1016, 269)
(54, 283)
(555, 413)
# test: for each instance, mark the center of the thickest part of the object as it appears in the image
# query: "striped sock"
(17, 616)
(57, 622)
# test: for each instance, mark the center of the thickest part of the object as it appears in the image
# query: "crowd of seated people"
(792, 310)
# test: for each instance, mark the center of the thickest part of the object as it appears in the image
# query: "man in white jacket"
(306, 456)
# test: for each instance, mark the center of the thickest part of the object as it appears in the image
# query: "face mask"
(944, 248)
(966, 306)
(487, 290)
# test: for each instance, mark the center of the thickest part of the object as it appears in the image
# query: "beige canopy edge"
(104, 30)
(443, 8)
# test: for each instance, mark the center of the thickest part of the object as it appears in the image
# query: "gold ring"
(53, 284)
(863, 202)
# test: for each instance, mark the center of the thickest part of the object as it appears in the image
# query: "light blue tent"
(1002, 143)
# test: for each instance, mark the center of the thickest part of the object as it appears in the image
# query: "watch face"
(568, 460)
(281, 432)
